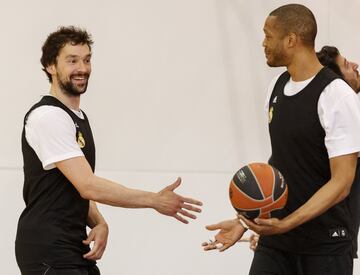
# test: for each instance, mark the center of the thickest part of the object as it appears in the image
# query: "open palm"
(230, 232)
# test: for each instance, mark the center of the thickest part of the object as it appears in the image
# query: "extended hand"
(171, 204)
(230, 232)
(98, 235)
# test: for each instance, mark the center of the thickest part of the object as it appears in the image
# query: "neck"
(72, 102)
(304, 65)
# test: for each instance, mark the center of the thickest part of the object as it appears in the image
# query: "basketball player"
(330, 57)
(314, 129)
(60, 188)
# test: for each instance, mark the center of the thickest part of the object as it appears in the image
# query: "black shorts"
(48, 270)
(268, 261)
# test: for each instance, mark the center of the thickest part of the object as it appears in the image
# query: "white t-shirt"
(51, 132)
(339, 114)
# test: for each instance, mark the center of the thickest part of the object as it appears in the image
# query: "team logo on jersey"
(271, 111)
(80, 140)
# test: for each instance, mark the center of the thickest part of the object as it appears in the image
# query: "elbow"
(346, 191)
(343, 195)
(87, 191)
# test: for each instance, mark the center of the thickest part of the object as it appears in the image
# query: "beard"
(69, 88)
(277, 58)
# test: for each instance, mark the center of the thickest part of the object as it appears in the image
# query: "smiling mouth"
(80, 79)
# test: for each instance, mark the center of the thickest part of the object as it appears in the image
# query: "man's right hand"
(230, 232)
(171, 204)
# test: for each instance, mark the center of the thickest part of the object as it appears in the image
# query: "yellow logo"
(271, 111)
(81, 140)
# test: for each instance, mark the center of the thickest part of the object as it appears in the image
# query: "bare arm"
(94, 217)
(98, 234)
(334, 191)
(77, 170)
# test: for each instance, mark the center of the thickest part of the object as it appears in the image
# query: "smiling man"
(60, 187)
(330, 56)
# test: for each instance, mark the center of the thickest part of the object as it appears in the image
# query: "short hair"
(327, 57)
(297, 19)
(58, 39)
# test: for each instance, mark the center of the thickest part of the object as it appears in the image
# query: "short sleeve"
(339, 113)
(51, 132)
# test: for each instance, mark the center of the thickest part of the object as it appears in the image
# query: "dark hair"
(327, 57)
(58, 39)
(297, 19)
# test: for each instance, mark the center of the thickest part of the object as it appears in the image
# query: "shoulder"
(336, 92)
(47, 114)
(49, 119)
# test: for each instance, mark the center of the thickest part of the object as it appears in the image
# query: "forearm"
(77, 170)
(334, 191)
(326, 197)
(107, 192)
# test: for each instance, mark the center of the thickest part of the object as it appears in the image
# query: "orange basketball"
(257, 189)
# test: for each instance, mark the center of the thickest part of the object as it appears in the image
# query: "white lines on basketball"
(262, 193)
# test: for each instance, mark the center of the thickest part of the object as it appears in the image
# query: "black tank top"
(53, 224)
(299, 152)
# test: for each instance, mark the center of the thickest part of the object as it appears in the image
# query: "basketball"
(257, 189)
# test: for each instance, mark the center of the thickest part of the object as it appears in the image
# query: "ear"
(51, 69)
(292, 40)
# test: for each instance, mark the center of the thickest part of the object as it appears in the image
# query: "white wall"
(178, 88)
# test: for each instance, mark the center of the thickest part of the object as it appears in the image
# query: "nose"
(82, 66)
(354, 65)
(264, 43)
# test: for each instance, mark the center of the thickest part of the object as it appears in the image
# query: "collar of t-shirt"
(293, 87)
(79, 113)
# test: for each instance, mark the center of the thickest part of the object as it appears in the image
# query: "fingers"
(187, 214)
(99, 244)
(173, 186)
(193, 201)
(89, 239)
(190, 207)
(245, 222)
(95, 253)
(245, 239)
(211, 245)
(181, 219)
(213, 227)
(259, 221)
(224, 247)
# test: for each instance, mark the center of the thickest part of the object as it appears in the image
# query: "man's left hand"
(98, 235)
(265, 227)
